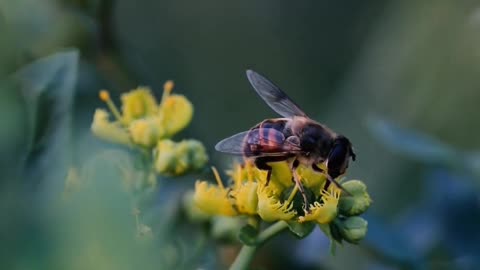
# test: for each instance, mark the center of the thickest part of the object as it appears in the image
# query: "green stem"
(292, 195)
(246, 254)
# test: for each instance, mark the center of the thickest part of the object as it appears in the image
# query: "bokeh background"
(399, 78)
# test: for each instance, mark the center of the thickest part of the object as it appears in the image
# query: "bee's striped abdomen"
(267, 137)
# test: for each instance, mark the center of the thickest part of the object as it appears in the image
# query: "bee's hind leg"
(296, 179)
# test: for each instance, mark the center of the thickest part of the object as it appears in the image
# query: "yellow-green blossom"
(326, 211)
(270, 208)
(144, 131)
(107, 130)
(246, 198)
(142, 121)
(213, 200)
(311, 179)
(138, 103)
(174, 114)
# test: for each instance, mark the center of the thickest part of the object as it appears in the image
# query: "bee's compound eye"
(338, 157)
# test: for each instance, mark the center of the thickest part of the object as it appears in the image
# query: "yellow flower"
(270, 208)
(213, 199)
(144, 131)
(326, 211)
(311, 179)
(246, 198)
(138, 103)
(175, 113)
(194, 213)
(281, 177)
(109, 131)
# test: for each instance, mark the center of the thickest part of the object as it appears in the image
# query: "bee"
(295, 138)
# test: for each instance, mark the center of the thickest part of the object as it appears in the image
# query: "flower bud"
(357, 201)
(109, 131)
(352, 229)
(178, 158)
(138, 103)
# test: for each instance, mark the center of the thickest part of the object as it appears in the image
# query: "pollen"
(104, 95)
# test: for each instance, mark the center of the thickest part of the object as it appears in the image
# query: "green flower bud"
(178, 158)
(352, 229)
(357, 202)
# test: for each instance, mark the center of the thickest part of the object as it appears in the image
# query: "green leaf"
(248, 235)
(47, 86)
(300, 230)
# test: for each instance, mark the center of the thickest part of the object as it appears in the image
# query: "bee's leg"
(261, 163)
(296, 179)
(329, 178)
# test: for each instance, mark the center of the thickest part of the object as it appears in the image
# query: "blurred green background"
(399, 78)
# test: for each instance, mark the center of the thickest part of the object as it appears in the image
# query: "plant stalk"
(247, 253)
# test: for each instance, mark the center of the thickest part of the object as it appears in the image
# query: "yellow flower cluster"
(248, 194)
(147, 124)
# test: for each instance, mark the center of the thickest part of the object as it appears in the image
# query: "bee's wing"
(274, 145)
(233, 144)
(274, 96)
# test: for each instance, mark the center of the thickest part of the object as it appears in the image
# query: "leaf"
(300, 230)
(47, 85)
(411, 144)
(248, 235)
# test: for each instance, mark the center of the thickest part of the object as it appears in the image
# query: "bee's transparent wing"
(233, 144)
(274, 96)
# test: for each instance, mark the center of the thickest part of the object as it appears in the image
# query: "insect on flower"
(295, 138)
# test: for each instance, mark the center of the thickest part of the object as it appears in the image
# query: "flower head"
(249, 195)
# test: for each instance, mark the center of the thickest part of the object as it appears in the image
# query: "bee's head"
(340, 153)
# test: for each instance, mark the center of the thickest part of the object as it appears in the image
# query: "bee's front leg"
(296, 179)
(329, 178)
